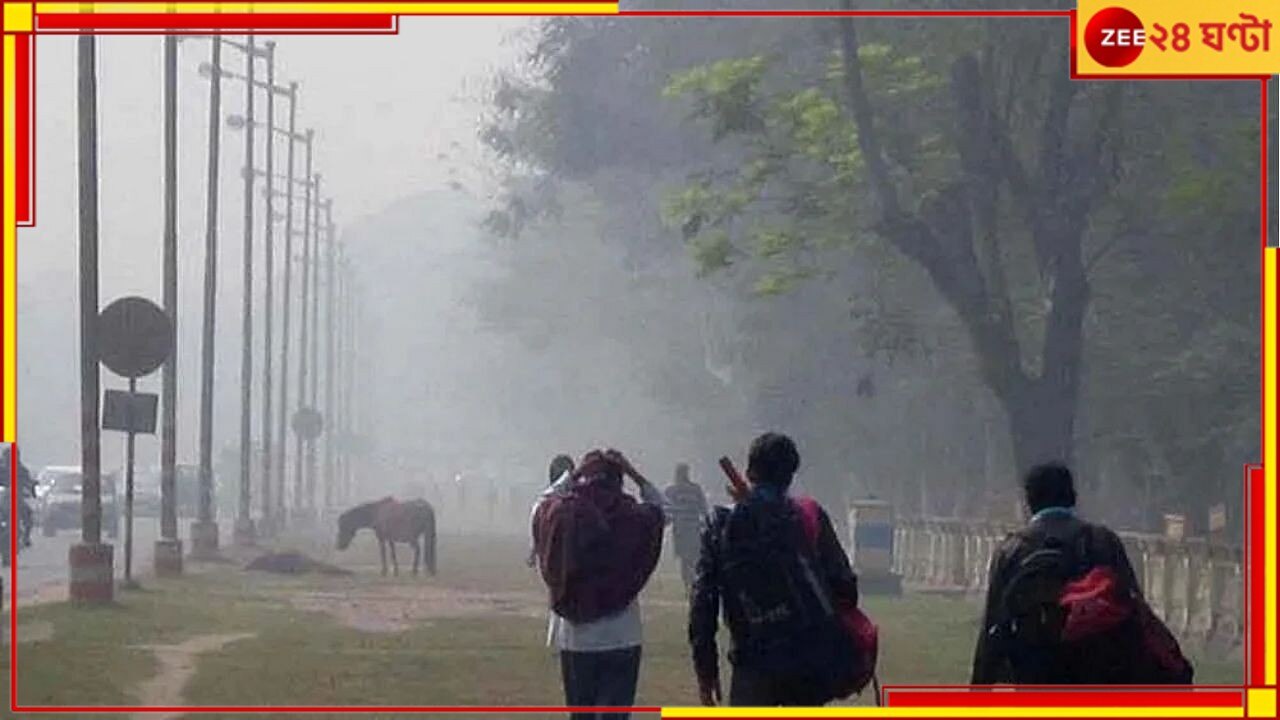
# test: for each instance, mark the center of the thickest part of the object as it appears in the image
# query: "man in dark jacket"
(792, 671)
(1051, 499)
(26, 492)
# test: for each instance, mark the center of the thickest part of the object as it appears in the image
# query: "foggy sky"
(383, 108)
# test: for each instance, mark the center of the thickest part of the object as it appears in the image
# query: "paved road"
(42, 568)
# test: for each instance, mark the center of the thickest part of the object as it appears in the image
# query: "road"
(42, 568)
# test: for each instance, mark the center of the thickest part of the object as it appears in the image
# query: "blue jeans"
(600, 679)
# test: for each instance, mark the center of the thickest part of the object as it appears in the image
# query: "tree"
(947, 213)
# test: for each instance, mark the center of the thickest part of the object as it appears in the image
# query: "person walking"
(687, 506)
(778, 590)
(596, 548)
(1064, 605)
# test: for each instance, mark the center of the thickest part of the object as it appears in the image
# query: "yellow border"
(10, 239)
(1269, 458)
(1258, 699)
(370, 8)
(953, 712)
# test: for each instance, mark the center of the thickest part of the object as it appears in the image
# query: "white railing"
(1197, 587)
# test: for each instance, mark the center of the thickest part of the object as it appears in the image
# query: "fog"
(484, 353)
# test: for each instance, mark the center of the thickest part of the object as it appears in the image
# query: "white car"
(59, 500)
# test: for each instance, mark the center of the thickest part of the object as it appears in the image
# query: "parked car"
(146, 493)
(59, 506)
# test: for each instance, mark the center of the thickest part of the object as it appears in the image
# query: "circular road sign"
(134, 337)
(308, 423)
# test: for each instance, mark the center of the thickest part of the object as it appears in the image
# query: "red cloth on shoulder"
(596, 548)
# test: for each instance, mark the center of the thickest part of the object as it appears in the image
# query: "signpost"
(308, 423)
(135, 338)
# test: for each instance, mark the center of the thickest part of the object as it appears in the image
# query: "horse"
(392, 522)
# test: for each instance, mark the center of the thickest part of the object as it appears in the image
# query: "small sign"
(308, 423)
(1217, 518)
(1175, 526)
(129, 412)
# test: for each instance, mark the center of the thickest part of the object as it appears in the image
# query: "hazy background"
(382, 108)
(504, 188)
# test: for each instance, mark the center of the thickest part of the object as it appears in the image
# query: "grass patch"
(309, 658)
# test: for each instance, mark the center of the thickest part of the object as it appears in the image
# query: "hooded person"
(596, 548)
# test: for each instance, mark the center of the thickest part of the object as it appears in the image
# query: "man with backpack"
(687, 508)
(596, 549)
(777, 567)
(1064, 605)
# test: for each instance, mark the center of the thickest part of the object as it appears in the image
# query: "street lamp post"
(287, 314)
(312, 190)
(268, 270)
(340, 368)
(244, 528)
(239, 122)
(286, 298)
(204, 532)
(168, 549)
(330, 328)
(312, 268)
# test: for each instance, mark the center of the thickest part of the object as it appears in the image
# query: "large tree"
(988, 168)
(929, 209)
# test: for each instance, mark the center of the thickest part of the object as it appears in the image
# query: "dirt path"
(396, 608)
(177, 666)
(31, 632)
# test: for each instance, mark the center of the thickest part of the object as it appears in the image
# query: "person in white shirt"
(561, 467)
(600, 659)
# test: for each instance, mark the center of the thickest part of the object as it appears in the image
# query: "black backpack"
(1032, 619)
(768, 568)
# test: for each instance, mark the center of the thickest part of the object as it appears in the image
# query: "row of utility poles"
(328, 286)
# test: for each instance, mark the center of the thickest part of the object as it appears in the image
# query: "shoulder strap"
(810, 518)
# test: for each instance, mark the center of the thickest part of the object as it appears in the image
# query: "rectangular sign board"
(129, 412)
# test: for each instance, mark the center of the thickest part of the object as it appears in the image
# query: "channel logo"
(1114, 37)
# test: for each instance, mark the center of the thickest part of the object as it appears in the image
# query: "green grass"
(308, 658)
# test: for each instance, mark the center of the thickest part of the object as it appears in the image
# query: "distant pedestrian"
(686, 512)
(561, 466)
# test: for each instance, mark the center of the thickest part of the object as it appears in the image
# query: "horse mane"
(364, 512)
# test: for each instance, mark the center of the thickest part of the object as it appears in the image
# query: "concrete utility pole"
(168, 549)
(300, 478)
(286, 302)
(244, 528)
(268, 280)
(313, 348)
(331, 292)
(92, 574)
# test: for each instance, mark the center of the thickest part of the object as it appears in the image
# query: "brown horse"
(392, 522)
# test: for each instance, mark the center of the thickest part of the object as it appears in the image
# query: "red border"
(904, 695)
(1111, 698)
(25, 133)
(261, 22)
